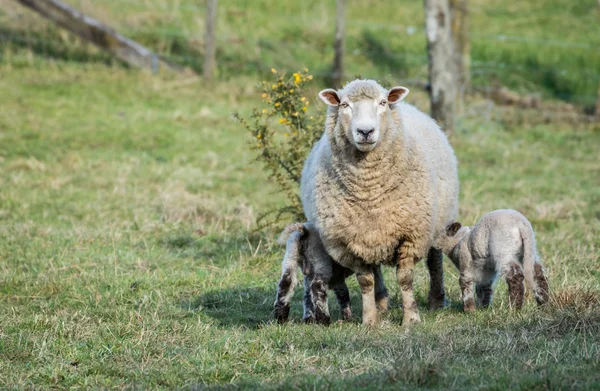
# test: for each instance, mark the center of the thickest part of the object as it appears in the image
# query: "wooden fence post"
(442, 64)
(210, 44)
(338, 60)
(459, 16)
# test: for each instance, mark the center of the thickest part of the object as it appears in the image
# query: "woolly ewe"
(381, 187)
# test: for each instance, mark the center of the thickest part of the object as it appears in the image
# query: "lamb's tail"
(292, 237)
(287, 231)
(532, 267)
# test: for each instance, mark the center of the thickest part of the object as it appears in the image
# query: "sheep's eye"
(383, 103)
(344, 105)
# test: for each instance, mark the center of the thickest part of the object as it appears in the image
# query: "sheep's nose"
(365, 132)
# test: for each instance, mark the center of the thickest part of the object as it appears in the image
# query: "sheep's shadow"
(237, 306)
(253, 306)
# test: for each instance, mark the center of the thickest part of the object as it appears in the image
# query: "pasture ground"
(128, 257)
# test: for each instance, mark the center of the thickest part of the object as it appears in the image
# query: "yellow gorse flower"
(273, 70)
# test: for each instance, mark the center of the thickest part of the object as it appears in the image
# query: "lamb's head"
(455, 232)
(362, 106)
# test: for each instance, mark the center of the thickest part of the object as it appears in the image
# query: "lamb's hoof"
(322, 318)
(282, 313)
(308, 319)
(469, 307)
(346, 314)
(411, 318)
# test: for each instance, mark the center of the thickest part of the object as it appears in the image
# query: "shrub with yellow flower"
(287, 134)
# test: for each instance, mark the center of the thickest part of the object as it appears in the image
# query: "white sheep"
(305, 250)
(381, 187)
(501, 243)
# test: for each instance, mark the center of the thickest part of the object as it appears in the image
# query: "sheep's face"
(360, 115)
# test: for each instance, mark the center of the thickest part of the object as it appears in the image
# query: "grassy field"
(128, 258)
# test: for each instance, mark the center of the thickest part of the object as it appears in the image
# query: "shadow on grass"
(245, 306)
(218, 250)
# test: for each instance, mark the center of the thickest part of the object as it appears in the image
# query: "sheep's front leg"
(516, 288)
(404, 273)
(381, 293)
(343, 297)
(435, 265)
(366, 280)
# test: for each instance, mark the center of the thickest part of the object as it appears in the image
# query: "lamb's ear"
(453, 228)
(396, 94)
(330, 97)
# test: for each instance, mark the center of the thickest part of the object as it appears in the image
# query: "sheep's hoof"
(469, 306)
(370, 320)
(383, 304)
(437, 302)
(411, 318)
(308, 319)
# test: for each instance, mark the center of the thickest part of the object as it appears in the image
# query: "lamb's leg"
(540, 290)
(437, 295)
(318, 289)
(516, 288)
(485, 292)
(343, 297)
(381, 293)
(465, 280)
(366, 280)
(285, 290)
(309, 311)
(404, 273)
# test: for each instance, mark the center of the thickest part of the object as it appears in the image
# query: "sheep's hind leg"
(343, 297)
(404, 273)
(485, 292)
(437, 294)
(285, 290)
(540, 289)
(366, 280)
(309, 311)
(318, 289)
(516, 288)
(381, 293)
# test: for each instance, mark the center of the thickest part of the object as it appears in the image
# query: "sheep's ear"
(330, 97)
(453, 228)
(396, 94)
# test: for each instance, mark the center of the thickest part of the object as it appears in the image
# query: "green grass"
(128, 257)
(548, 48)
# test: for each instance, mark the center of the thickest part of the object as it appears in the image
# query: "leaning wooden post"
(459, 15)
(442, 64)
(100, 35)
(210, 44)
(338, 46)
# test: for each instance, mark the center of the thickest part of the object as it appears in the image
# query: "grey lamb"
(501, 243)
(304, 249)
